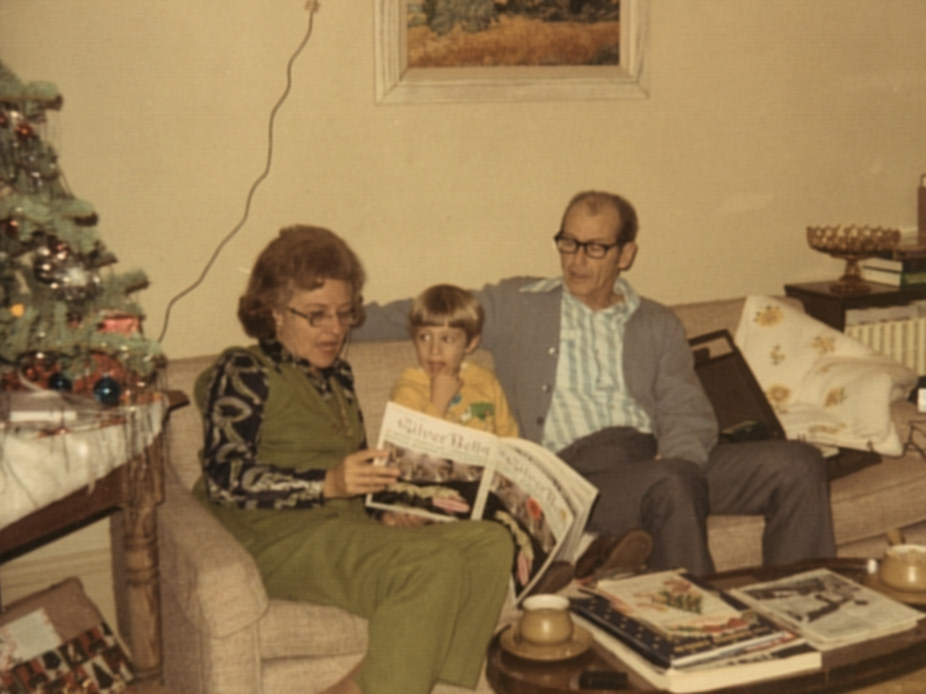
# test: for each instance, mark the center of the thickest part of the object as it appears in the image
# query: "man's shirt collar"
(621, 286)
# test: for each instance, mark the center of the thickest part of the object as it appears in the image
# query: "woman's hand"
(403, 520)
(356, 475)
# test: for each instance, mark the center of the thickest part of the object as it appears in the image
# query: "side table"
(830, 307)
(843, 669)
(135, 488)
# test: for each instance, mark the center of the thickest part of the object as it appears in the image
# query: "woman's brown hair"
(300, 257)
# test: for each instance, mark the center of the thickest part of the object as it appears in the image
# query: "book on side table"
(682, 635)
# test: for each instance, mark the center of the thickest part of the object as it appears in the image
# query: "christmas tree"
(67, 319)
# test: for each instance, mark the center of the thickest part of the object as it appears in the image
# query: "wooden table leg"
(145, 490)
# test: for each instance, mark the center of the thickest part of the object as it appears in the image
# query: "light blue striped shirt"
(590, 392)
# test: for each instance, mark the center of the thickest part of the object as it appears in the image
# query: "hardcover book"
(674, 620)
(790, 655)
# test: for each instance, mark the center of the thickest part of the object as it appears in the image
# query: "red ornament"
(122, 323)
(24, 131)
(10, 228)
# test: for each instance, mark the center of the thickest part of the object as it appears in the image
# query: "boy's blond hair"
(446, 304)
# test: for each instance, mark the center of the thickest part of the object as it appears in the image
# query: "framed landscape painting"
(509, 50)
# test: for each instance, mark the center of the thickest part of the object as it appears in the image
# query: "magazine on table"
(674, 620)
(790, 655)
(828, 609)
(450, 472)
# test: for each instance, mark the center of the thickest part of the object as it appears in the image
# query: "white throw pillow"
(825, 387)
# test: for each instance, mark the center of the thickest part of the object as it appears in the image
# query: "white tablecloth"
(38, 468)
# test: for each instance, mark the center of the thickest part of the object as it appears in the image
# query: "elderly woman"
(285, 465)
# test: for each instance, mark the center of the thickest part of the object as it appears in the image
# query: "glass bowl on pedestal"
(852, 244)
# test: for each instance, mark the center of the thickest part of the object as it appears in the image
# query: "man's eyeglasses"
(320, 319)
(593, 249)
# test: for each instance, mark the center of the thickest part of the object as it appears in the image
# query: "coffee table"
(843, 669)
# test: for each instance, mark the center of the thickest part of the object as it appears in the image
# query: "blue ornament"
(58, 381)
(107, 391)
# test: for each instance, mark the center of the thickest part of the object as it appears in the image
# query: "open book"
(451, 472)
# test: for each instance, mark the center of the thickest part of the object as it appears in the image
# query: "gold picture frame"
(396, 83)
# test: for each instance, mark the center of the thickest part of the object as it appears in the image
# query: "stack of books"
(905, 267)
(682, 635)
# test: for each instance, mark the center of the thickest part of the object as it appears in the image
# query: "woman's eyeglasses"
(321, 319)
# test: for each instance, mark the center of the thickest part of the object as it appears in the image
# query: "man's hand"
(356, 475)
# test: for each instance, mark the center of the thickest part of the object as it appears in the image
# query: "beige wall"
(763, 117)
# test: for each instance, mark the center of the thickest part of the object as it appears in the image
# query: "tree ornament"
(10, 228)
(65, 272)
(107, 391)
(58, 381)
(24, 131)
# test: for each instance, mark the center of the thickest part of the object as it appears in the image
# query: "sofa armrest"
(211, 576)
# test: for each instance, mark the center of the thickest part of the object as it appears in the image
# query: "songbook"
(451, 472)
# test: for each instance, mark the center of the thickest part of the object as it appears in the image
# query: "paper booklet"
(828, 609)
(451, 472)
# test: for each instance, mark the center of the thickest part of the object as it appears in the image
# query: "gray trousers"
(783, 481)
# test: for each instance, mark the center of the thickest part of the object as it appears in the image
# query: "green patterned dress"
(432, 595)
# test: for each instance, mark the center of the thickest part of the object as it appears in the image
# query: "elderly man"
(605, 378)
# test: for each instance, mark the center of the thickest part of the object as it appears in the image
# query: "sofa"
(223, 635)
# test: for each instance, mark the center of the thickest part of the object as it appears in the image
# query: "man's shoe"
(608, 554)
(557, 576)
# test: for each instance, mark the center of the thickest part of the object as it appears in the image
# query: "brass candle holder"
(853, 244)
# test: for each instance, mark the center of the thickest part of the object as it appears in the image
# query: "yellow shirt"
(480, 404)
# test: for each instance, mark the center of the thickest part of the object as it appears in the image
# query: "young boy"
(445, 324)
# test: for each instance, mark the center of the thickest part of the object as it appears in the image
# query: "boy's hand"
(445, 384)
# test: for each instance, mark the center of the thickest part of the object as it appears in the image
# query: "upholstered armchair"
(221, 633)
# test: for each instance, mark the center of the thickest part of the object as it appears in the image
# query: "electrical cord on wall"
(312, 7)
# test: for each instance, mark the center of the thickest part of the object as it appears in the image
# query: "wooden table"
(843, 669)
(135, 488)
(830, 307)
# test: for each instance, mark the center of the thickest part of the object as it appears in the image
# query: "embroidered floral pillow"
(825, 386)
